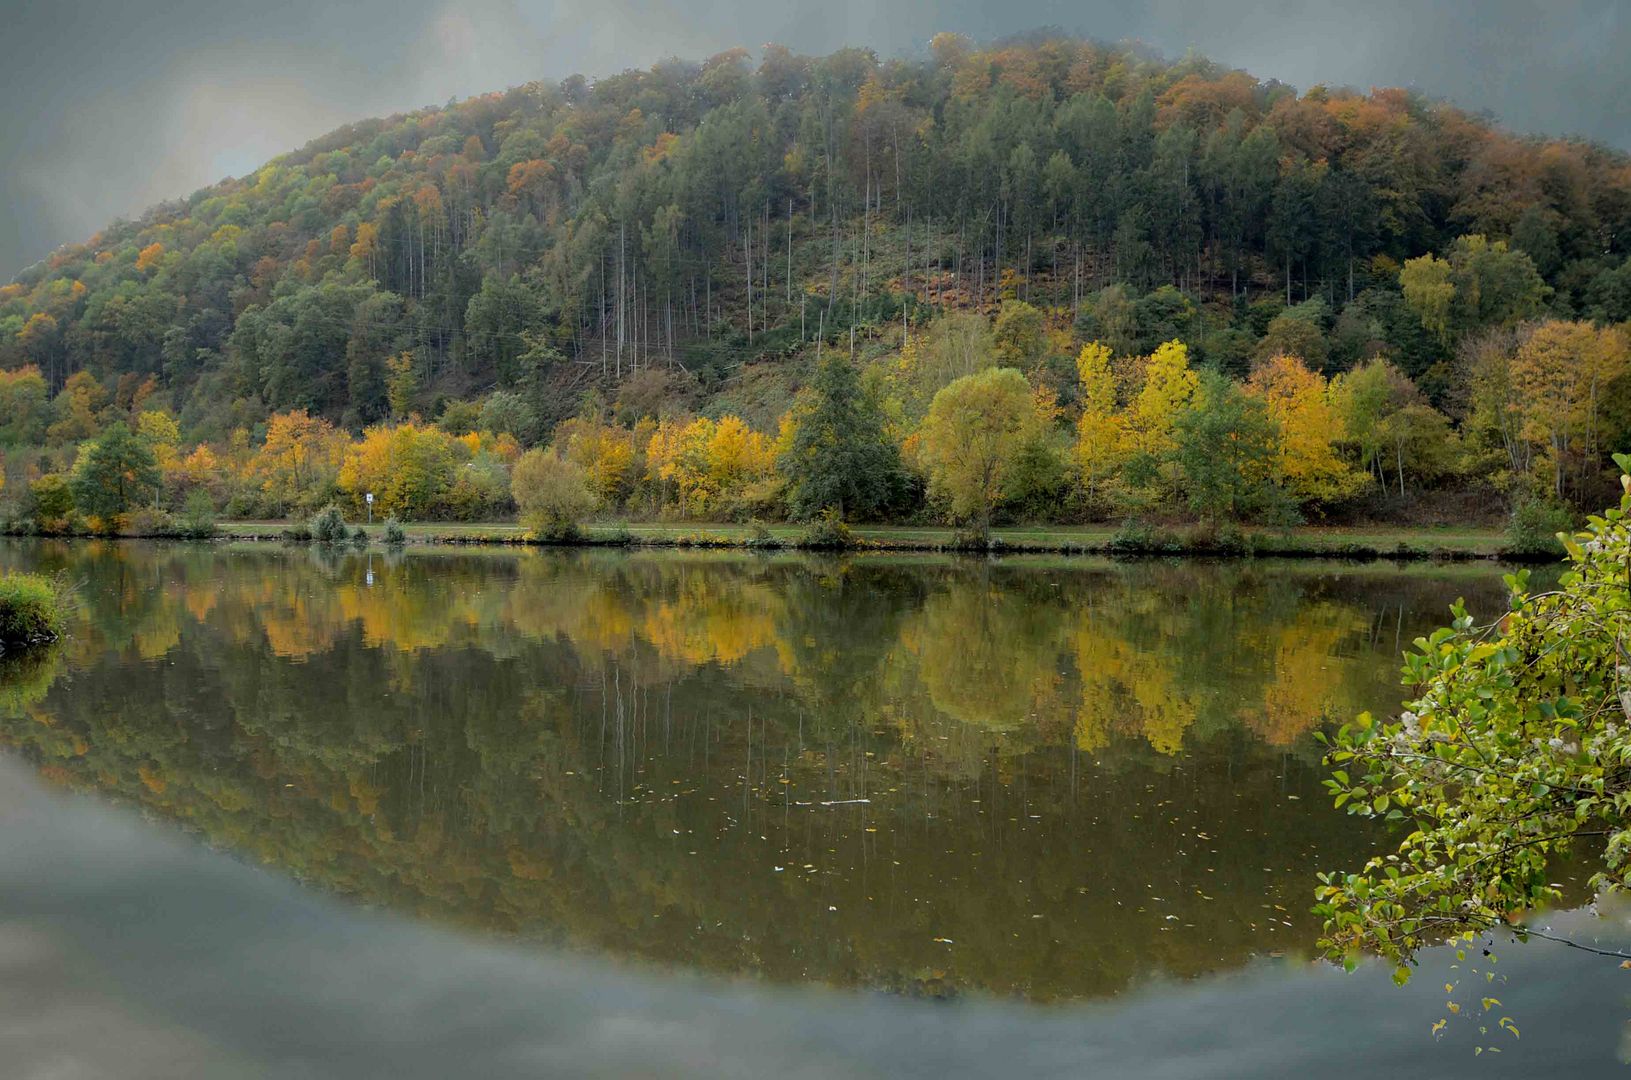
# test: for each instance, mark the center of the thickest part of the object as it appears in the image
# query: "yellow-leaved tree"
(1149, 442)
(1565, 376)
(678, 456)
(1098, 432)
(410, 469)
(707, 464)
(401, 384)
(604, 451)
(1169, 386)
(295, 469)
(738, 457)
(1299, 400)
(971, 439)
(149, 256)
(162, 435)
(1428, 290)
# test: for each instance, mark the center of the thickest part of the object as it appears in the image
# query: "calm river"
(284, 812)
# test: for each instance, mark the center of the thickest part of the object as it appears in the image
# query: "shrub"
(49, 503)
(359, 537)
(298, 533)
(827, 531)
(31, 610)
(1231, 538)
(328, 526)
(241, 504)
(552, 493)
(144, 521)
(1206, 538)
(198, 518)
(1534, 527)
(553, 530)
(974, 540)
(395, 534)
(1133, 535)
(1138, 537)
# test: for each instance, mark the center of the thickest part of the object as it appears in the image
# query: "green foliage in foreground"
(1518, 746)
(31, 611)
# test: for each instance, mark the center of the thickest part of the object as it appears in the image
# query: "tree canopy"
(840, 456)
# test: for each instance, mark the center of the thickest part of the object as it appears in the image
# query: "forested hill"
(687, 234)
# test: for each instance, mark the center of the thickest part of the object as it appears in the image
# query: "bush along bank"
(32, 611)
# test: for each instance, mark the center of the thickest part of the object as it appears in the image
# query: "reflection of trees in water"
(26, 677)
(616, 750)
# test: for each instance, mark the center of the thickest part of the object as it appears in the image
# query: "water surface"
(1032, 781)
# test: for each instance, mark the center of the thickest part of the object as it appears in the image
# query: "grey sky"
(113, 105)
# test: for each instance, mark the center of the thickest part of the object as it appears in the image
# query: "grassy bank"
(1309, 541)
(31, 611)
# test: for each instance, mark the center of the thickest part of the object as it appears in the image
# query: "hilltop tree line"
(675, 260)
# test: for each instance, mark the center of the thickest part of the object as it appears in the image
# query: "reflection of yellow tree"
(986, 657)
(161, 630)
(687, 615)
(975, 667)
(549, 596)
(1127, 687)
(199, 599)
(603, 620)
(710, 624)
(404, 618)
(1306, 682)
(298, 624)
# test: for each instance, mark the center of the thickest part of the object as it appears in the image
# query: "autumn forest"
(1042, 280)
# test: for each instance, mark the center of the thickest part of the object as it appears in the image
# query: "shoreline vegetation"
(31, 611)
(1410, 543)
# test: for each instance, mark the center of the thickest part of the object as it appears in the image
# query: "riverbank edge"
(1411, 545)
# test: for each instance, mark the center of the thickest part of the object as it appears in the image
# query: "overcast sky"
(113, 105)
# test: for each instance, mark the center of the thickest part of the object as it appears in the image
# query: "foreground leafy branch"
(1517, 749)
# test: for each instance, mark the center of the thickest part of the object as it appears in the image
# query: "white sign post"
(369, 499)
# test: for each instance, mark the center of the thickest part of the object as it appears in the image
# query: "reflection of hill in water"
(1078, 773)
